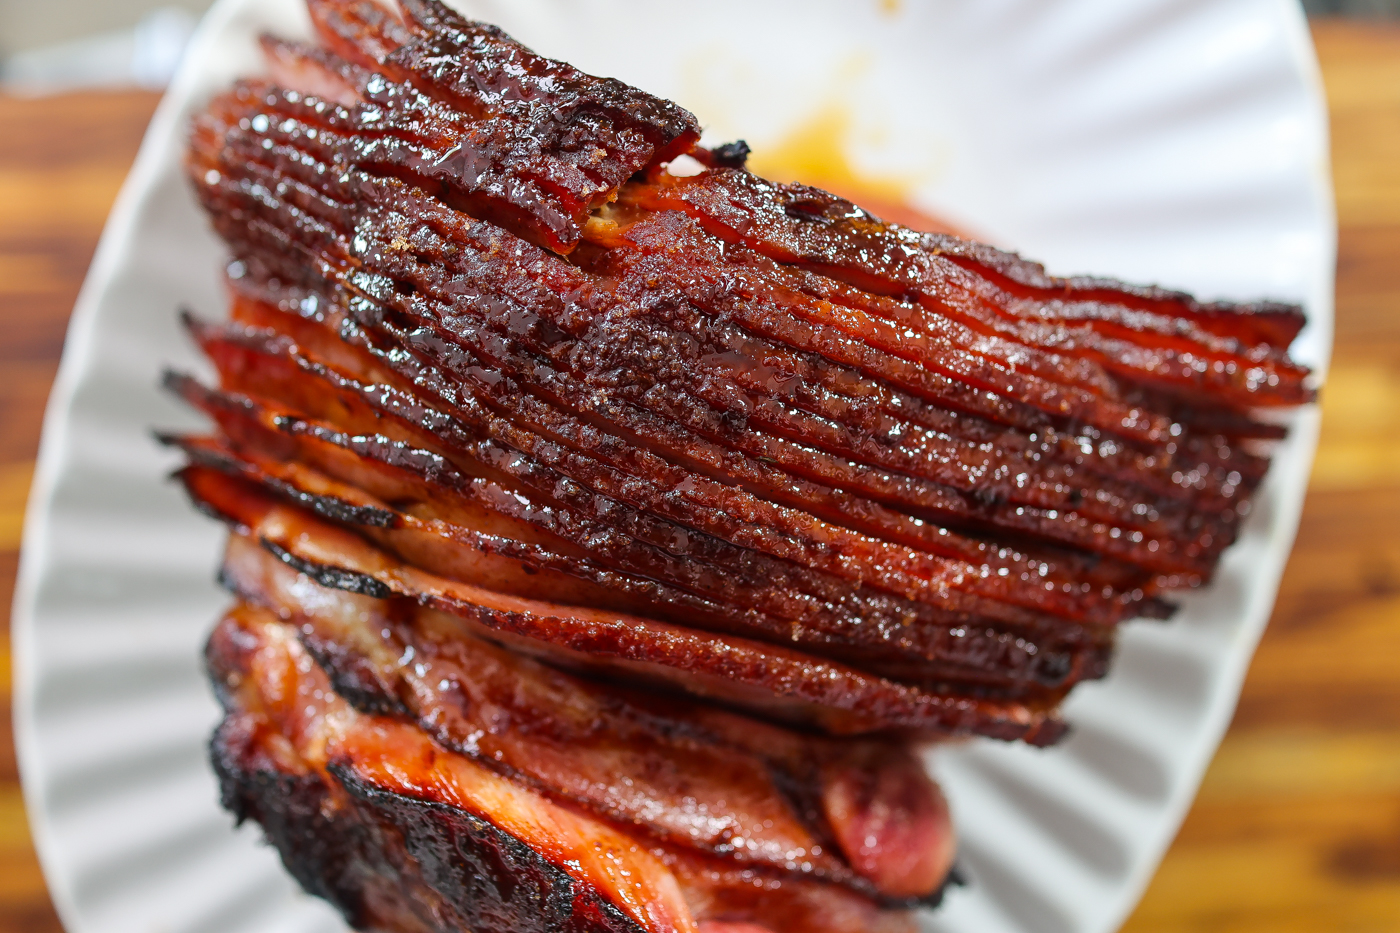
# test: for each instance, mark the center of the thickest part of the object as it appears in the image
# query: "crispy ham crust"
(775, 681)
(562, 337)
(500, 131)
(401, 833)
(916, 631)
(679, 772)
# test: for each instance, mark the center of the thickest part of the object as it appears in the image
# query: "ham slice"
(402, 834)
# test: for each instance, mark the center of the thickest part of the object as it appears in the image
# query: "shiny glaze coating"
(766, 679)
(506, 411)
(403, 834)
(540, 303)
(679, 772)
(525, 139)
(1137, 335)
(748, 408)
(406, 467)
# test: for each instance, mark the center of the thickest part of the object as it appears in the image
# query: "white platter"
(1175, 141)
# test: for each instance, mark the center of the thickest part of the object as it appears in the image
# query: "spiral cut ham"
(402, 833)
(602, 538)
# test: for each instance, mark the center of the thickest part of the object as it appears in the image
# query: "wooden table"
(1298, 823)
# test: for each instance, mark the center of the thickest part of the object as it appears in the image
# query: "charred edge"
(731, 155)
(193, 392)
(355, 681)
(170, 439)
(955, 879)
(1047, 732)
(229, 796)
(227, 751)
(176, 382)
(485, 872)
(227, 582)
(336, 509)
(353, 678)
(193, 324)
(208, 510)
(216, 460)
(1157, 609)
(1053, 668)
(332, 577)
(348, 856)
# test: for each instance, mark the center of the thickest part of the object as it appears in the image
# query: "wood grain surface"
(1297, 826)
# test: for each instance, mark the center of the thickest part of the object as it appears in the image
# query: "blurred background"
(58, 44)
(1297, 826)
(25, 26)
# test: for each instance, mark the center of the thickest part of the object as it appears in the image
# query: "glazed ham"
(770, 680)
(605, 540)
(400, 833)
(861, 813)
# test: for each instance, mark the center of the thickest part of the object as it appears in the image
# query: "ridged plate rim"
(968, 771)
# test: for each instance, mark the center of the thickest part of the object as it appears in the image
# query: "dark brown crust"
(540, 335)
(386, 861)
(508, 413)
(678, 772)
(748, 440)
(756, 537)
(337, 848)
(844, 397)
(495, 880)
(539, 143)
(1155, 348)
(982, 659)
(479, 66)
(405, 835)
(531, 345)
(400, 470)
(769, 680)
(1269, 322)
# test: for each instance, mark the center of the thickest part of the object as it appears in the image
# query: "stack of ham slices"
(605, 538)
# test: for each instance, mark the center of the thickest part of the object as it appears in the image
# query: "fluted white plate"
(1172, 141)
